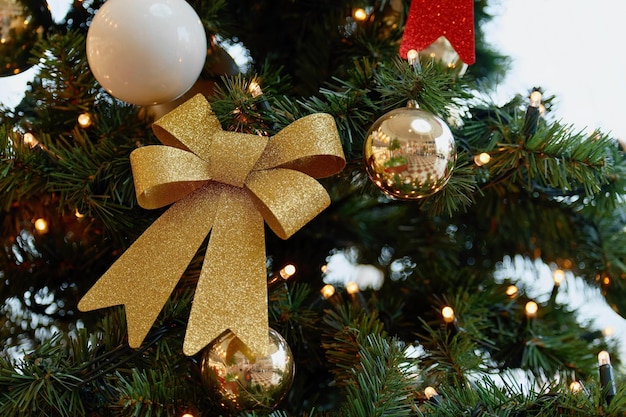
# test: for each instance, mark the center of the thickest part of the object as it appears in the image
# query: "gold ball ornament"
(409, 153)
(21, 26)
(237, 380)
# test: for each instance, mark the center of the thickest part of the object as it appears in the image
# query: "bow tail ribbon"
(233, 278)
(145, 275)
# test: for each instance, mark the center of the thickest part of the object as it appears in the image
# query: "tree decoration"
(146, 52)
(409, 153)
(607, 380)
(226, 183)
(218, 64)
(442, 51)
(21, 26)
(237, 380)
(428, 20)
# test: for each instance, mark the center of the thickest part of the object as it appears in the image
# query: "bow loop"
(181, 173)
(307, 145)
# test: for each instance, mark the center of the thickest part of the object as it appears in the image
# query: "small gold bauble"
(237, 380)
(409, 153)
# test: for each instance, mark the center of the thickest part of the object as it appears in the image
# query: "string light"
(255, 89)
(432, 395)
(511, 291)
(357, 297)
(482, 158)
(359, 14)
(575, 386)
(84, 120)
(531, 121)
(41, 225)
(78, 214)
(535, 99)
(608, 331)
(607, 380)
(30, 140)
(448, 314)
(327, 291)
(412, 56)
(531, 309)
(352, 287)
(283, 275)
(558, 276)
(288, 271)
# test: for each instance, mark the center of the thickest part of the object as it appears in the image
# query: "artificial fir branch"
(381, 385)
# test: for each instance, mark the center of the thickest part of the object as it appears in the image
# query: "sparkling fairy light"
(448, 314)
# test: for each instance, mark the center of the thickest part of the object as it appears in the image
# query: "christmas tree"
(386, 201)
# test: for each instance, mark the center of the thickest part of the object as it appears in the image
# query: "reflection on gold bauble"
(409, 153)
(20, 28)
(237, 380)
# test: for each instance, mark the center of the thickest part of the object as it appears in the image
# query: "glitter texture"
(430, 19)
(228, 184)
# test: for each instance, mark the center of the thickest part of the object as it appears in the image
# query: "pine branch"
(381, 385)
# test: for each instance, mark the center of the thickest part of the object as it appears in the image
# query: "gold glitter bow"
(228, 184)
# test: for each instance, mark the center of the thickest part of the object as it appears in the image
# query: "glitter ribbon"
(228, 184)
(430, 19)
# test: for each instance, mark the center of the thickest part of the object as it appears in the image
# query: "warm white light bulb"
(30, 140)
(608, 331)
(327, 291)
(430, 392)
(84, 120)
(531, 308)
(287, 271)
(511, 291)
(448, 314)
(482, 159)
(255, 89)
(412, 56)
(575, 386)
(41, 225)
(558, 276)
(535, 99)
(604, 358)
(359, 14)
(352, 287)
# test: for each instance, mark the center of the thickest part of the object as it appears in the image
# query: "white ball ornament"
(146, 52)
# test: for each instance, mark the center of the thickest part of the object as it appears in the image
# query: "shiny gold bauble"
(21, 26)
(409, 153)
(237, 380)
